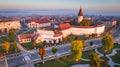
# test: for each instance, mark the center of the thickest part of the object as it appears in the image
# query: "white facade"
(27, 40)
(33, 25)
(48, 35)
(82, 31)
(66, 32)
(6, 26)
(38, 25)
(45, 24)
(99, 30)
(80, 18)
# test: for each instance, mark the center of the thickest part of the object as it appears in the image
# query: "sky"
(105, 6)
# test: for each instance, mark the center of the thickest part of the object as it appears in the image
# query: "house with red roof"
(38, 23)
(25, 38)
(49, 36)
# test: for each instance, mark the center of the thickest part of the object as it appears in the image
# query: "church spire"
(80, 12)
(80, 15)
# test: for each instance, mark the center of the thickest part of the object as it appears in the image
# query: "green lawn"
(4, 38)
(29, 46)
(101, 50)
(66, 61)
(30, 31)
(39, 45)
(61, 62)
(86, 54)
(116, 57)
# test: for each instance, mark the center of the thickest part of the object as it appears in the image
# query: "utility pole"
(6, 64)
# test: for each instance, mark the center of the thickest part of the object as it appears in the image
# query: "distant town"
(66, 40)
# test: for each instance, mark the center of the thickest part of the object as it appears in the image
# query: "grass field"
(29, 46)
(4, 38)
(116, 58)
(66, 61)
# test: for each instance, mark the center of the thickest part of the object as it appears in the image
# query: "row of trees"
(6, 46)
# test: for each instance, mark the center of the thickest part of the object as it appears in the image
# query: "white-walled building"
(66, 29)
(25, 38)
(38, 24)
(33, 25)
(48, 35)
(6, 26)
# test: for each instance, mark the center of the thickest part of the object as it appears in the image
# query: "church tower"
(80, 15)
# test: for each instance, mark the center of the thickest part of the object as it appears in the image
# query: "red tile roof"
(64, 26)
(99, 25)
(24, 36)
(83, 26)
(41, 21)
(57, 35)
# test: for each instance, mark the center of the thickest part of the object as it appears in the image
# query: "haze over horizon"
(95, 7)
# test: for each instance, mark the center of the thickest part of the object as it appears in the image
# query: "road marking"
(30, 55)
(27, 58)
(23, 59)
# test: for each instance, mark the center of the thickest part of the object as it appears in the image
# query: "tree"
(34, 44)
(42, 53)
(76, 49)
(44, 43)
(50, 43)
(108, 42)
(54, 42)
(85, 22)
(1, 51)
(11, 34)
(15, 46)
(65, 39)
(59, 41)
(71, 38)
(94, 60)
(54, 50)
(6, 46)
(91, 44)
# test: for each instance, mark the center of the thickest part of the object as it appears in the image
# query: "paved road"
(28, 57)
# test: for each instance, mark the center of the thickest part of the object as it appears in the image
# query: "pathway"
(110, 62)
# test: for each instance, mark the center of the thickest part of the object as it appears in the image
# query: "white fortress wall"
(66, 32)
(82, 31)
(100, 29)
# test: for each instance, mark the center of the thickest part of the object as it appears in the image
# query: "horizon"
(95, 7)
